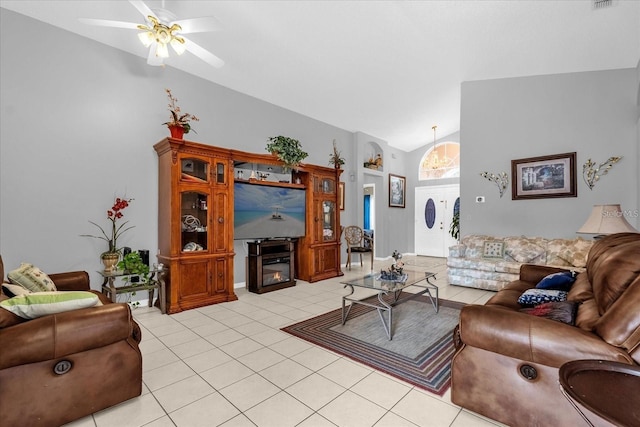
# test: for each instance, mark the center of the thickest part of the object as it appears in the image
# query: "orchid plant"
(116, 230)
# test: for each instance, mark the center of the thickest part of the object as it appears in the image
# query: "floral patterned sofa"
(489, 262)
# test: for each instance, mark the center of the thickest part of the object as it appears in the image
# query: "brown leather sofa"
(94, 351)
(507, 363)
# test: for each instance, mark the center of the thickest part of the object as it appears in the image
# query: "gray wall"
(78, 124)
(593, 113)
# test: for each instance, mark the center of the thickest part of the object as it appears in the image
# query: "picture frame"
(341, 195)
(397, 191)
(544, 177)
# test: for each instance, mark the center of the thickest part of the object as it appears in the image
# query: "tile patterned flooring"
(230, 365)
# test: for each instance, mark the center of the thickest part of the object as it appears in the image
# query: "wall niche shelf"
(373, 156)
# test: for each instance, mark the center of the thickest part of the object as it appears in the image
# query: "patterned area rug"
(421, 349)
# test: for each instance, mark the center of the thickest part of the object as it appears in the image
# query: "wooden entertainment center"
(196, 219)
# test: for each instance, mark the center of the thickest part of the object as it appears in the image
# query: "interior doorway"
(433, 214)
(369, 212)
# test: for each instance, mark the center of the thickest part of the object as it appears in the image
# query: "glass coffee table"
(389, 292)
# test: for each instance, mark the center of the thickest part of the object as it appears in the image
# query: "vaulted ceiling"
(391, 69)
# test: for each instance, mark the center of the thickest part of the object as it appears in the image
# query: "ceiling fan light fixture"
(146, 38)
(177, 43)
(162, 51)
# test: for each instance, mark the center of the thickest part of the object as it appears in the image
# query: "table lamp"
(606, 219)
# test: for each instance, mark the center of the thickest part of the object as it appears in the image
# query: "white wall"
(593, 113)
(77, 127)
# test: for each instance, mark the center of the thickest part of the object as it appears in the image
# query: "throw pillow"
(12, 290)
(537, 296)
(37, 304)
(493, 249)
(561, 281)
(31, 278)
(560, 311)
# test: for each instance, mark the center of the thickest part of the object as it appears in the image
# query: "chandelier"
(434, 161)
(163, 36)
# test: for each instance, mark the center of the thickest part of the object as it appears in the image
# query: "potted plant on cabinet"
(179, 123)
(336, 158)
(288, 150)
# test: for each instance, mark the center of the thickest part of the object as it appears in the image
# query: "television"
(268, 212)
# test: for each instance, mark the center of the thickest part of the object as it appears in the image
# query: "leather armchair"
(507, 364)
(62, 367)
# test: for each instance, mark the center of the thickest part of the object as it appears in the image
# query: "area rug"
(421, 349)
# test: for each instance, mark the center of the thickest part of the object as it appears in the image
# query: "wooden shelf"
(270, 183)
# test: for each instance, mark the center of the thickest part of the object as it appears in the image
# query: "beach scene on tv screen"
(261, 211)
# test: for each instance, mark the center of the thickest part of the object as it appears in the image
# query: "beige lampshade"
(606, 219)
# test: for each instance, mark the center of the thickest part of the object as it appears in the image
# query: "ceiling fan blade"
(198, 25)
(142, 8)
(203, 54)
(106, 23)
(152, 58)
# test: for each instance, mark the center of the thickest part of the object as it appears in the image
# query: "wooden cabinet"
(319, 249)
(196, 219)
(195, 223)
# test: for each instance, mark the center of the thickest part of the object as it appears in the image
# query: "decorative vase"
(110, 260)
(177, 132)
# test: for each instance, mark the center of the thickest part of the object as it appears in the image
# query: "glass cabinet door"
(194, 215)
(194, 170)
(325, 185)
(328, 220)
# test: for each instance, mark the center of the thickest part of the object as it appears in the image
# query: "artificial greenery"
(336, 158)
(288, 150)
(132, 264)
(454, 230)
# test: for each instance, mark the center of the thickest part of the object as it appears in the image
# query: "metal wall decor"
(501, 180)
(591, 174)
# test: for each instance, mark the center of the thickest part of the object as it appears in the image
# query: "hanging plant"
(288, 150)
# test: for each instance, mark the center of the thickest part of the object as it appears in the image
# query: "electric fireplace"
(270, 265)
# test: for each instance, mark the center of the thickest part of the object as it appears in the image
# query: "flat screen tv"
(268, 212)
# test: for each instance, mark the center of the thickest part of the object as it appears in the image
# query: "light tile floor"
(230, 365)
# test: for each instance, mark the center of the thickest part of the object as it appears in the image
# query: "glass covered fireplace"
(270, 265)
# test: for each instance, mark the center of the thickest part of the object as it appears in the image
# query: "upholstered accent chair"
(359, 241)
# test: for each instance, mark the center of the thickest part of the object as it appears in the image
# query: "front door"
(433, 213)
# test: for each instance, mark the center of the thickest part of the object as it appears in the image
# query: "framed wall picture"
(544, 177)
(341, 195)
(397, 191)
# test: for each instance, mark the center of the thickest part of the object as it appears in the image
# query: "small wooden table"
(156, 281)
(610, 390)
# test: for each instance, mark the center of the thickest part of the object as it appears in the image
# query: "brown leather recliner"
(497, 340)
(95, 351)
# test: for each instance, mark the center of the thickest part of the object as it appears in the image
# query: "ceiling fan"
(161, 29)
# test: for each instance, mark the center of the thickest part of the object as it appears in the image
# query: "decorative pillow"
(31, 278)
(560, 311)
(493, 249)
(537, 296)
(523, 250)
(37, 304)
(12, 290)
(561, 281)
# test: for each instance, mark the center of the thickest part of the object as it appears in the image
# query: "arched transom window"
(443, 161)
